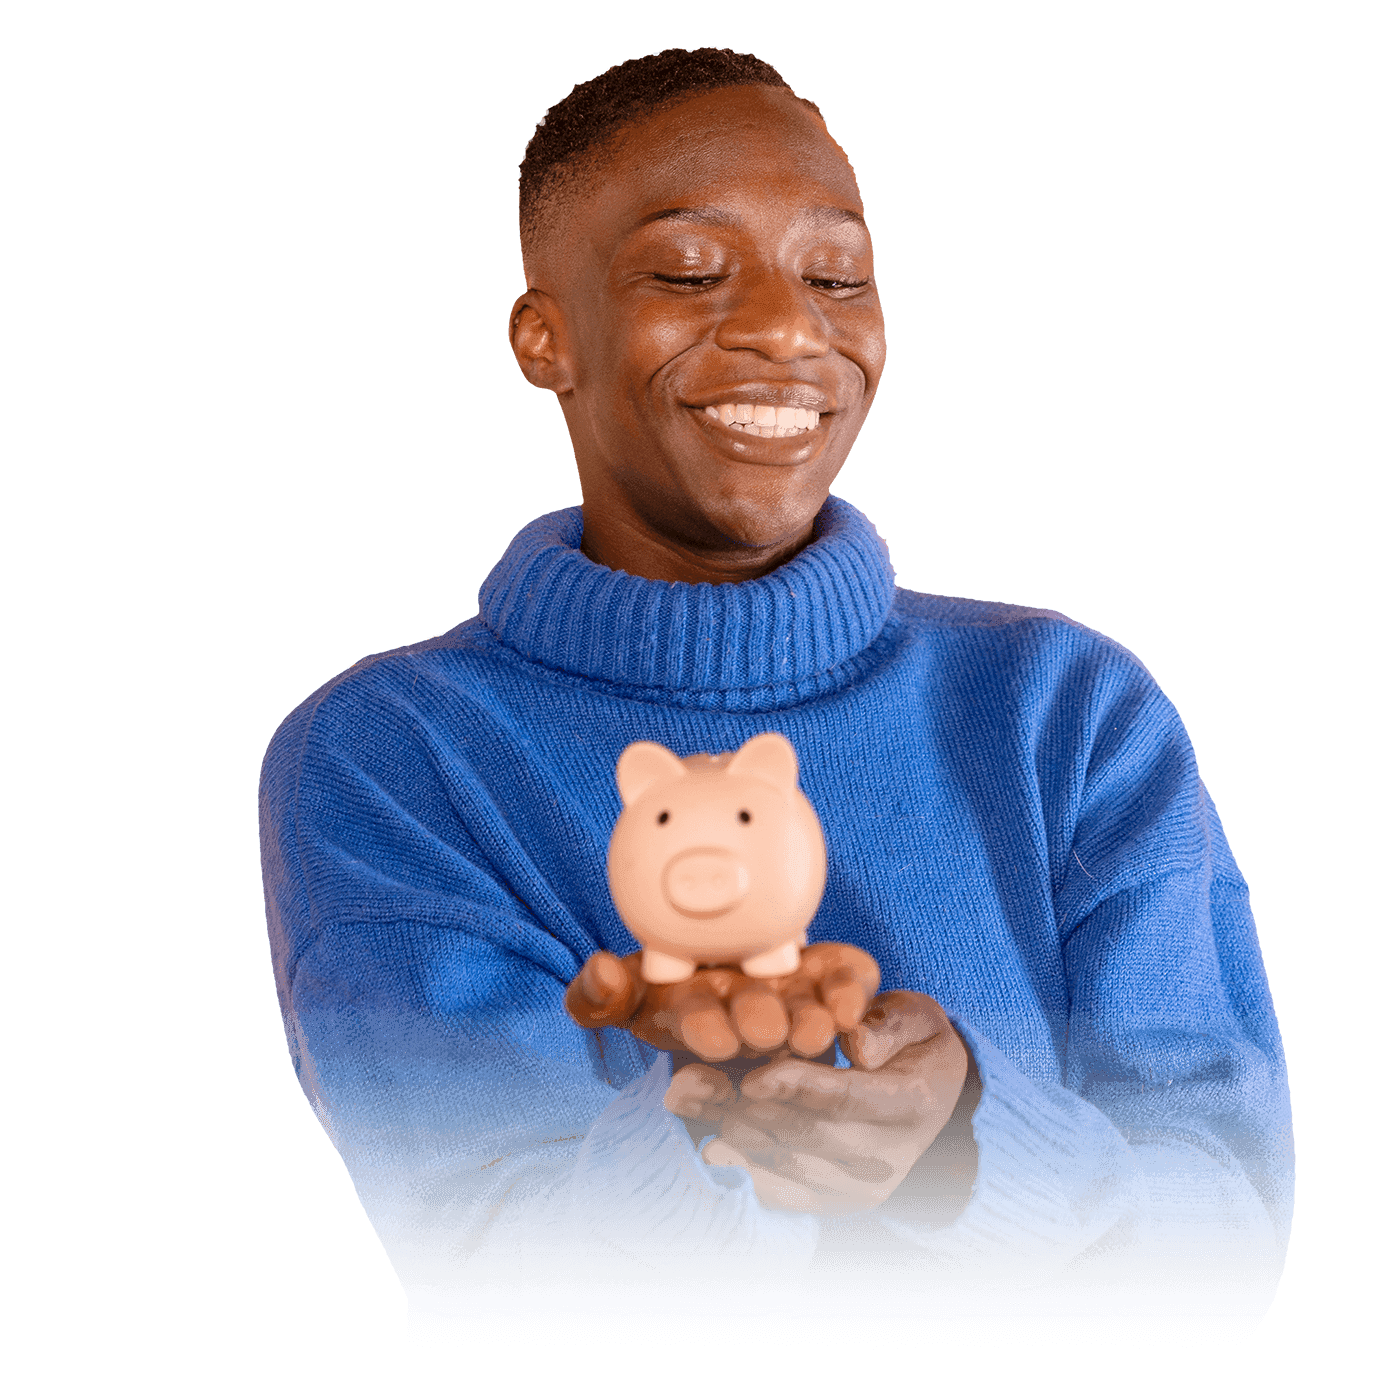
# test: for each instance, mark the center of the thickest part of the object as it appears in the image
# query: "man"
(1076, 1074)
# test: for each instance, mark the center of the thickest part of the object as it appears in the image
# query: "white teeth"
(775, 422)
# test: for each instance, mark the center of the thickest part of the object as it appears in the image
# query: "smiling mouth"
(764, 419)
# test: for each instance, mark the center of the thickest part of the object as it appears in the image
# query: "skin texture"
(755, 285)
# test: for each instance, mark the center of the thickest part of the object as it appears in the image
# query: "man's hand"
(827, 1140)
(719, 1014)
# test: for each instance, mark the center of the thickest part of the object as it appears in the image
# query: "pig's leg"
(662, 967)
(776, 962)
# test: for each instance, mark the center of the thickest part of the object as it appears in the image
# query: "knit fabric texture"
(1015, 825)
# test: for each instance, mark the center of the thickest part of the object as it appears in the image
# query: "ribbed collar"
(793, 633)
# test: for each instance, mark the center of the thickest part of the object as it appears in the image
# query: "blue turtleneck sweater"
(1015, 825)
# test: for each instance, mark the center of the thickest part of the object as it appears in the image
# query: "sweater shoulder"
(379, 674)
(1010, 623)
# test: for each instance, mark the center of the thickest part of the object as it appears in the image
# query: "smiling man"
(1074, 1075)
(703, 302)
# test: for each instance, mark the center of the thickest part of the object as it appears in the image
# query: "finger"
(820, 959)
(865, 1150)
(703, 1025)
(820, 1089)
(606, 992)
(751, 1140)
(850, 1183)
(772, 1190)
(846, 978)
(895, 1021)
(829, 1092)
(759, 1016)
(813, 1027)
(802, 1182)
(699, 1091)
(720, 980)
(844, 998)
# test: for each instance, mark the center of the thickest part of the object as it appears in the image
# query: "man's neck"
(617, 541)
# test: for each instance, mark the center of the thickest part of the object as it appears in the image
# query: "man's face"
(723, 330)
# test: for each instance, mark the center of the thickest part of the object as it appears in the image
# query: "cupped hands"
(719, 1014)
(831, 1141)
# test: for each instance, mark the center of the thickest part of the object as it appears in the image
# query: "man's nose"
(776, 317)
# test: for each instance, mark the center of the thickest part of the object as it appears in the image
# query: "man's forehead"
(693, 163)
(765, 123)
(690, 169)
(714, 216)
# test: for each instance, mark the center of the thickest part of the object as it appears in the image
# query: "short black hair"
(576, 131)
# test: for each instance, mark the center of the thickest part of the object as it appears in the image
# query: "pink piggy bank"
(716, 858)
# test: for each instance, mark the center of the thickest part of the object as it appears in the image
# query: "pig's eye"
(662, 818)
(744, 816)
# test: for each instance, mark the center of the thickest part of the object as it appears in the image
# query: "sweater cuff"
(1053, 1176)
(639, 1191)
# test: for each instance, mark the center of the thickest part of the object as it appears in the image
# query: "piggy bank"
(716, 858)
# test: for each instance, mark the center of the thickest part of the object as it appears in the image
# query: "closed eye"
(698, 282)
(836, 284)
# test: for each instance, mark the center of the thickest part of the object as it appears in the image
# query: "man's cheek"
(655, 337)
(862, 339)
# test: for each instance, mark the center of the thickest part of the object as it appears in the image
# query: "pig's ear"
(768, 757)
(643, 764)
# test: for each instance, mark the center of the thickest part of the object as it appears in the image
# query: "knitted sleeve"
(1166, 1154)
(423, 1004)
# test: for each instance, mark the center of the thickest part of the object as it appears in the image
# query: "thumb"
(699, 1091)
(895, 1021)
(605, 993)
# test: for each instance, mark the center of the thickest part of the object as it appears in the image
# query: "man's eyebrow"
(721, 218)
(705, 214)
(831, 213)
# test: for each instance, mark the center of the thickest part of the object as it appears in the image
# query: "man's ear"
(540, 342)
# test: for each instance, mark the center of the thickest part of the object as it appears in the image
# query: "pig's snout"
(704, 883)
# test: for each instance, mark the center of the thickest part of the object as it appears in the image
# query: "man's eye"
(697, 280)
(838, 284)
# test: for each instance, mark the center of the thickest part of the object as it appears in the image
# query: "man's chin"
(755, 526)
(728, 504)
